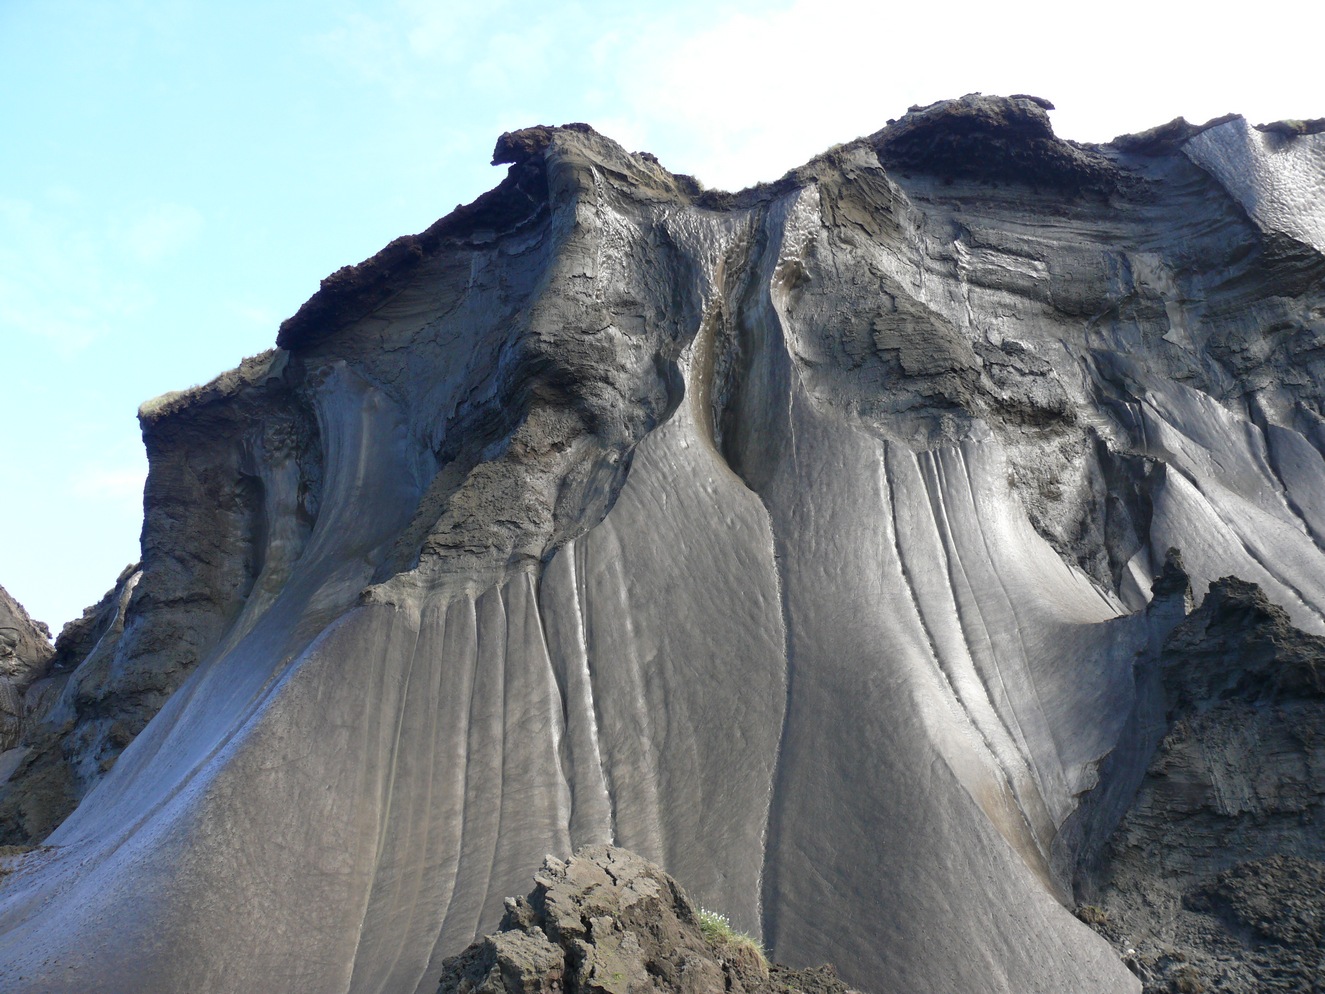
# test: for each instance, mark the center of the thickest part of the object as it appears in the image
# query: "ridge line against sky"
(179, 175)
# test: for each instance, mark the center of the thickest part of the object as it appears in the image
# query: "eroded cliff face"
(801, 540)
(25, 653)
(1213, 880)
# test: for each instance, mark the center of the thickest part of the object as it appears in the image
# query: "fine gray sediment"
(809, 541)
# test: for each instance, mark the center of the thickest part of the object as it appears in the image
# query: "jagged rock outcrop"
(609, 922)
(1213, 881)
(86, 707)
(25, 653)
(801, 539)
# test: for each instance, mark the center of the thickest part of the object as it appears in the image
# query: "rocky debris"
(1281, 899)
(609, 922)
(1215, 879)
(25, 654)
(992, 139)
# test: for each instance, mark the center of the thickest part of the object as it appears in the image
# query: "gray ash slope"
(801, 540)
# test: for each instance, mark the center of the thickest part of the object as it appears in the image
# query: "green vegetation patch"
(717, 929)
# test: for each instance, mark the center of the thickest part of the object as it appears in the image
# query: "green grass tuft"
(717, 929)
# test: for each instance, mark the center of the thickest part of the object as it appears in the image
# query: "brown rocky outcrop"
(608, 921)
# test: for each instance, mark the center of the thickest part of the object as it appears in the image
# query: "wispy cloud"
(161, 230)
(418, 50)
(368, 47)
(750, 94)
(58, 276)
(738, 91)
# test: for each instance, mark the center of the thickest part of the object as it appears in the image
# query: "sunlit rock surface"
(25, 653)
(801, 540)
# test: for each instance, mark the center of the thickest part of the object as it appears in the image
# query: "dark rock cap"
(992, 139)
(520, 146)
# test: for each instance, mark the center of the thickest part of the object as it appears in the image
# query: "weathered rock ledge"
(610, 922)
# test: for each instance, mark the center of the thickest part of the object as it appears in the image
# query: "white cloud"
(748, 96)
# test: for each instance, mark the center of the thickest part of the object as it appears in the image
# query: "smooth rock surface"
(801, 540)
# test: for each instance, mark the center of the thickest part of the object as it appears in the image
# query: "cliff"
(1215, 879)
(800, 539)
(25, 650)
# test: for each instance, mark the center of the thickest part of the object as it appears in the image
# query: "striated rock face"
(609, 922)
(802, 540)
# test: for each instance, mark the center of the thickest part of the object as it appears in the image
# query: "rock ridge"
(993, 139)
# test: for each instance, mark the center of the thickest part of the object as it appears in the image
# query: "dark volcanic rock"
(1166, 138)
(1292, 129)
(610, 922)
(993, 139)
(76, 722)
(1215, 879)
(1239, 646)
(1281, 899)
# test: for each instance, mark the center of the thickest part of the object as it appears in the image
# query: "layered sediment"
(809, 541)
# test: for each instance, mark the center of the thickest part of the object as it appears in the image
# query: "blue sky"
(177, 175)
